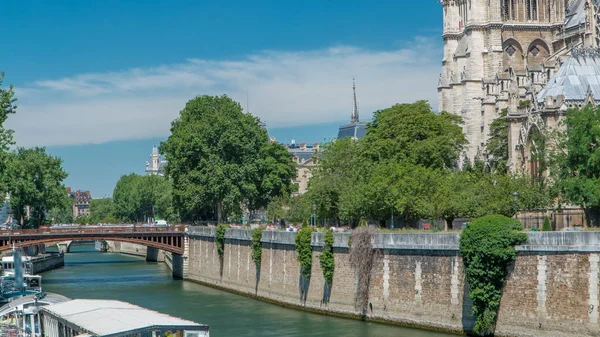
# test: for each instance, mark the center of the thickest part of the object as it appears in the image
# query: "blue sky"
(98, 82)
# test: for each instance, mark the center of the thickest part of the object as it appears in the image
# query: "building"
(89, 318)
(157, 163)
(500, 54)
(305, 158)
(81, 202)
(355, 129)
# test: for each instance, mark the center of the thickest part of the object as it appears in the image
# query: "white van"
(160, 223)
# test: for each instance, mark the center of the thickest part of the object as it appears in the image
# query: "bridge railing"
(93, 230)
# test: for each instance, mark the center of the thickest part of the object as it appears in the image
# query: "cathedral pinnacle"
(354, 118)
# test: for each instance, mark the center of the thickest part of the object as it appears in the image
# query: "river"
(91, 274)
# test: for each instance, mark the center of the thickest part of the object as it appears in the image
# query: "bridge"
(170, 239)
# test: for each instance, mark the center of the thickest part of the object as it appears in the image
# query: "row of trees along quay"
(221, 163)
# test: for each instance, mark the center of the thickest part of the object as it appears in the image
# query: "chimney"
(315, 146)
(303, 146)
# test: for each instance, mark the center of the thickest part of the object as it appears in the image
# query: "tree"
(35, 180)
(220, 159)
(126, 198)
(496, 148)
(140, 198)
(7, 107)
(578, 161)
(102, 211)
(413, 133)
(338, 172)
(63, 213)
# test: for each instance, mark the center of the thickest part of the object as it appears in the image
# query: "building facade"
(157, 163)
(304, 156)
(500, 54)
(81, 202)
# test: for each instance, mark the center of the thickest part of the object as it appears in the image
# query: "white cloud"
(285, 89)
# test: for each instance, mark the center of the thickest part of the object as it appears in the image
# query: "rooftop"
(576, 77)
(108, 317)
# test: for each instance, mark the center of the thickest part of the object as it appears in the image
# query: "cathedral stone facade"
(501, 54)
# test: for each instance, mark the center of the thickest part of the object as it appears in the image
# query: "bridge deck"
(167, 238)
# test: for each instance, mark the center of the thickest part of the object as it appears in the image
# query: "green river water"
(91, 274)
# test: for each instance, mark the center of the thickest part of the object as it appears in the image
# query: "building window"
(531, 9)
(509, 11)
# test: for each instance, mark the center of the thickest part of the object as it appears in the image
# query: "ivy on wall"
(326, 258)
(257, 246)
(304, 250)
(487, 248)
(220, 239)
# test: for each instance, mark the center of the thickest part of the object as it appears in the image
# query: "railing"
(93, 230)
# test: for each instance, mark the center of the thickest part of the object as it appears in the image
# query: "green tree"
(337, 174)
(578, 161)
(299, 208)
(496, 148)
(126, 199)
(413, 133)
(547, 225)
(7, 107)
(63, 213)
(140, 198)
(35, 181)
(220, 159)
(102, 211)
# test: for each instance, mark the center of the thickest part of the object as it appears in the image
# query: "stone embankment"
(416, 280)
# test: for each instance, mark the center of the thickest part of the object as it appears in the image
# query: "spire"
(354, 118)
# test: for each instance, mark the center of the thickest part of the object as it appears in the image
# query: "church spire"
(354, 118)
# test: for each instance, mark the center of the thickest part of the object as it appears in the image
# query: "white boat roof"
(108, 317)
(51, 298)
(11, 258)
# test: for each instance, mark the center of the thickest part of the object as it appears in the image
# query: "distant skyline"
(99, 83)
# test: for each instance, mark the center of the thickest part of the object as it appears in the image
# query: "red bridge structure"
(167, 238)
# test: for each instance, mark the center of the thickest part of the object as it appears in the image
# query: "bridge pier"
(177, 265)
(154, 255)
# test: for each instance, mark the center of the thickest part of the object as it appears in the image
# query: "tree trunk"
(448, 223)
(219, 211)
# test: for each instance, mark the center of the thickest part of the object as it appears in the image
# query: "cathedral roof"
(576, 13)
(578, 74)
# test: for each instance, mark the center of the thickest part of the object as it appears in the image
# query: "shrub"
(547, 226)
(257, 246)
(304, 223)
(487, 248)
(326, 258)
(304, 249)
(220, 238)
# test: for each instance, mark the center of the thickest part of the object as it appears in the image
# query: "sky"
(99, 82)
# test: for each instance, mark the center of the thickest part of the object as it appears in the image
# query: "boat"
(20, 317)
(16, 279)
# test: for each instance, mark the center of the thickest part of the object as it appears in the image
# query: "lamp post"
(516, 203)
(314, 207)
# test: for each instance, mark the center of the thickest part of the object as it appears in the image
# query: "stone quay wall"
(417, 279)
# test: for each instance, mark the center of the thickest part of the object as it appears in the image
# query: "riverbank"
(92, 274)
(417, 280)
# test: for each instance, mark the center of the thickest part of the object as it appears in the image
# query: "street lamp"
(516, 203)
(314, 207)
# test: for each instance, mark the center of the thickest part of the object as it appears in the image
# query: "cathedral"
(532, 59)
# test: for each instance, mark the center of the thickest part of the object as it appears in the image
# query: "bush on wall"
(257, 246)
(487, 248)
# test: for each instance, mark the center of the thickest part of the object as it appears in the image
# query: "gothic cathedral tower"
(497, 54)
